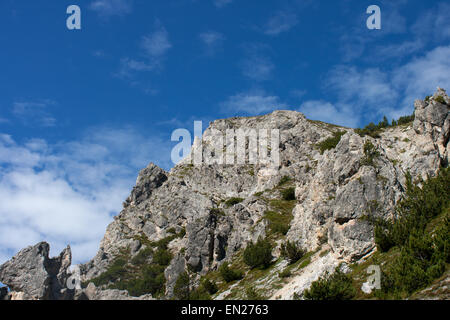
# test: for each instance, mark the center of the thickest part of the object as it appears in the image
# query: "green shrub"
(331, 143)
(337, 286)
(199, 294)
(151, 280)
(228, 274)
(370, 153)
(288, 194)
(181, 290)
(233, 201)
(286, 273)
(210, 286)
(292, 252)
(216, 212)
(142, 256)
(373, 130)
(115, 272)
(405, 119)
(420, 231)
(252, 294)
(162, 257)
(182, 233)
(258, 255)
(440, 99)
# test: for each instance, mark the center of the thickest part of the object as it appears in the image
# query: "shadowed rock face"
(3, 293)
(35, 275)
(335, 192)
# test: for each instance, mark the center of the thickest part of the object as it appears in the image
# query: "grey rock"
(37, 276)
(336, 192)
(94, 293)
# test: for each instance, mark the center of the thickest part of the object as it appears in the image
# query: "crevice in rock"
(212, 228)
(342, 220)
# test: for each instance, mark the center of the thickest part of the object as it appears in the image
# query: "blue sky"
(81, 111)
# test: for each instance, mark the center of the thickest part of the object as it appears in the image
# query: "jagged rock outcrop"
(94, 293)
(32, 275)
(4, 293)
(432, 120)
(336, 192)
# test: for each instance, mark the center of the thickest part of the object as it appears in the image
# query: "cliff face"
(206, 214)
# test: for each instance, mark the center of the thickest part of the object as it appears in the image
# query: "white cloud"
(253, 103)
(257, 68)
(373, 92)
(66, 193)
(367, 86)
(35, 112)
(280, 22)
(157, 43)
(433, 24)
(154, 47)
(328, 112)
(108, 8)
(221, 3)
(212, 41)
(257, 65)
(422, 75)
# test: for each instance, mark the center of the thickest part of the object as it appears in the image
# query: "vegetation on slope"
(413, 249)
(373, 130)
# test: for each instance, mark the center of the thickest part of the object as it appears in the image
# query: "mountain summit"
(194, 222)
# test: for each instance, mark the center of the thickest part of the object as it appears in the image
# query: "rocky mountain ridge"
(194, 218)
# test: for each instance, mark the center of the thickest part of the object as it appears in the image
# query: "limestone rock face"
(433, 120)
(32, 275)
(94, 293)
(336, 192)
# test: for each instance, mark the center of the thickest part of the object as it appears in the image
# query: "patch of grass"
(332, 142)
(282, 206)
(284, 180)
(278, 223)
(233, 201)
(305, 263)
(324, 253)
